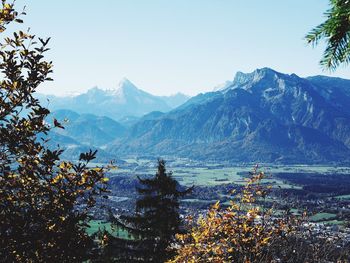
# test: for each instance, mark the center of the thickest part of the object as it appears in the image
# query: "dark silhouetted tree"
(157, 219)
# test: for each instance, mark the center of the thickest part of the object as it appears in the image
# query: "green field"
(333, 222)
(189, 172)
(205, 176)
(200, 201)
(96, 225)
(343, 197)
(322, 217)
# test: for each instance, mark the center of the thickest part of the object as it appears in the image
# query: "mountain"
(175, 100)
(125, 101)
(81, 133)
(72, 148)
(335, 91)
(87, 129)
(263, 116)
(223, 86)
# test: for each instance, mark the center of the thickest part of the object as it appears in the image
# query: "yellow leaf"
(7, 6)
(216, 205)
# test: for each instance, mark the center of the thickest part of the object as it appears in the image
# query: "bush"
(245, 232)
(44, 202)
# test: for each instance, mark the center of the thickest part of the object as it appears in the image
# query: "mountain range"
(126, 101)
(263, 116)
(83, 132)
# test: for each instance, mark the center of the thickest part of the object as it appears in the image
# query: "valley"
(264, 116)
(129, 134)
(321, 190)
(296, 129)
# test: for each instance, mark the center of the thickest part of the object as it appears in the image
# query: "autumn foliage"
(44, 202)
(242, 232)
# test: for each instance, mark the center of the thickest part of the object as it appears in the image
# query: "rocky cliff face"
(260, 116)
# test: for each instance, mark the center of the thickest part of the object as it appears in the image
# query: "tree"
(247, 232)
(157, 218)
(44, 202)
(243, 232)
(336, 32)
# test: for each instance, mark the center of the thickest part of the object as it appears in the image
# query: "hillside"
(262, 116)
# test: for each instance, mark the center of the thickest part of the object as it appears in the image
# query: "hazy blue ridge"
(126, 100)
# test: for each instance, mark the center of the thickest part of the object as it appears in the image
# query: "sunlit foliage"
(43, 201)
(242, 232)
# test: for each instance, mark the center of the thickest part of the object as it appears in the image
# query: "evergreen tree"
(335, 30)
(157, 217)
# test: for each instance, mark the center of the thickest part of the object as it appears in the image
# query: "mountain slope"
(335, 91)
(261, 116)
(87, 129)
(174, 101)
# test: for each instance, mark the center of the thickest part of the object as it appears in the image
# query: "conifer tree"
(335, 31)
(157, 219)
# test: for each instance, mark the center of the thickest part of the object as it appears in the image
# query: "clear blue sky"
(166, 46)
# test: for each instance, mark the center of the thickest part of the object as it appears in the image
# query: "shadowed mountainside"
(260, 116)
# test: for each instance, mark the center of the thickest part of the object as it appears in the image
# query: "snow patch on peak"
(223, 86)
(95, 90)
(124, 88)
(126, 83)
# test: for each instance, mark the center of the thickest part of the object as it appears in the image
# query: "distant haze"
(262, 116)
(124, 101)
(165, 47)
